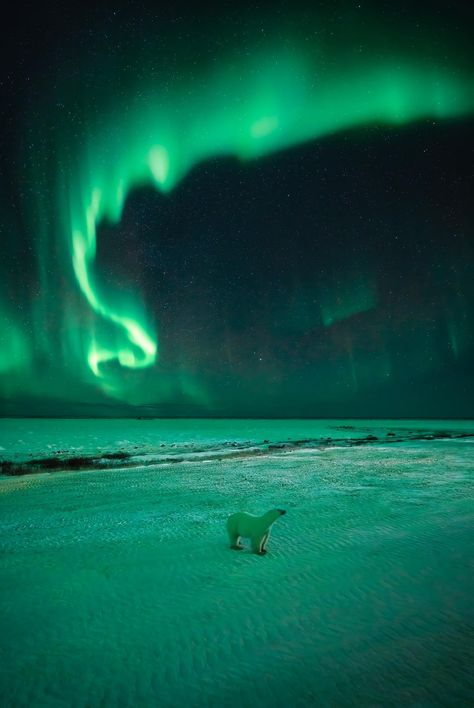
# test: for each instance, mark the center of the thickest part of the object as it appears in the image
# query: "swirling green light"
(279, 102)
(142, 349)
(154, 131)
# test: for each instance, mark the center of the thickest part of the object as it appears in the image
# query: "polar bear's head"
(271, 516)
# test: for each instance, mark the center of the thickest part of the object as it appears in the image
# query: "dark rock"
(116, 455)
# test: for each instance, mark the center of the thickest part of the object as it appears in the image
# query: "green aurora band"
(154, 132)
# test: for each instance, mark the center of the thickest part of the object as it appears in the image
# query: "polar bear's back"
(243, 524)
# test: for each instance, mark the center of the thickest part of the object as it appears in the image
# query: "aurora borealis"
(255, 214)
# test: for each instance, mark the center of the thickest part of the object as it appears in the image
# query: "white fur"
(257, 528)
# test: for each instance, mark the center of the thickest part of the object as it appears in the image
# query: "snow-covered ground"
(117, 586)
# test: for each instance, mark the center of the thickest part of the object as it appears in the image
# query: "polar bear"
(257, 528)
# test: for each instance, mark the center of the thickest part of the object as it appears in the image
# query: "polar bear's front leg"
(258, 544)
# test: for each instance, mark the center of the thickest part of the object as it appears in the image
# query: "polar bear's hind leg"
(235, 542)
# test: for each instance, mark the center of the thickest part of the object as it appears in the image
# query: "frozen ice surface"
(117, 587)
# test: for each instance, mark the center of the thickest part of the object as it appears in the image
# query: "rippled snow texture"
(117, 587)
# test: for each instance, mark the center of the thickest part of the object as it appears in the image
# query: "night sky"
(237, 213)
